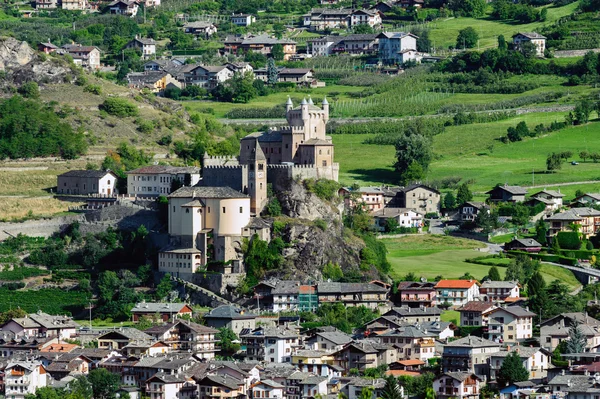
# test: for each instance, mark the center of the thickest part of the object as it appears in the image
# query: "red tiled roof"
(455, 283)
(411, 362)
(476, 306)
(398, 373)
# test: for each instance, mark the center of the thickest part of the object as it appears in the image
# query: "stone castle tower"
(257, 179)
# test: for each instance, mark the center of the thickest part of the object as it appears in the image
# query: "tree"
(243, 88)
(512, 370)
(582, 111)
(514, 272)
(176, 184)
(463, 194)
(467, 38)
(363, 29)
(584, 155)
(164, 287)
(553, 162)
(226, 338)
(494, 274)
(11, 314)
(366, 393)
(44, 393)
(277, 52)
(449, 200)
(391, 390)
(502, 45)
(468, 8)
(30, 90)
(278, 30)
(413, 149)
(80, 388)
(391, 225)
(528, 49)
(332, 271)
(104, 383)
(577, 341)
(272, 72)
(541, 231)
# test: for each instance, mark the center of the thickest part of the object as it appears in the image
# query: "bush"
(569, 240)
(320, 223)
(119, 107)
(145, 126)
(94, 89)
(322, 188)
(30, 90)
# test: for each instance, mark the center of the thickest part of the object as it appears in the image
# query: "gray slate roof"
(472, 341)
(98, 174)
(155, 307)
(207, 192)
(229, 312)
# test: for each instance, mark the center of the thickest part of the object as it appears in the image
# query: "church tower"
(257, 179)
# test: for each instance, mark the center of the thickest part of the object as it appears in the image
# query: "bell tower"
(257, 179)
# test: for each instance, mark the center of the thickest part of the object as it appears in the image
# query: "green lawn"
(451, 316)
(443, 33)
(431, 256)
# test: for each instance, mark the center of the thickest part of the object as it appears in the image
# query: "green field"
(431, 256)
(443, 33)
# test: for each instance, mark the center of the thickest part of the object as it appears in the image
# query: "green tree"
(80, 388)
(391, 225)
(104, 383)
(528, 49)
(464, 194)
(277, 52)
(30, 90)
(414, 149)
(332, 271)
(541, 231)
(363, 29)
(449, 201)
(577, 341)
(486, 221)
(164, 288)
(11, 314)
(272, 72)
(553, 162)
(502, 45)
(467, 38)
(512, 370)
(494, 274)
(514, 272)
(366, 393)
(584, 155)
(243, 88)
(44, 393)
(468, 8)
(278, 30)
(226, 338)
(391, 390)
(582, 111)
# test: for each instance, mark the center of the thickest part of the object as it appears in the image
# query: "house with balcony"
(468, 211)
(270, 344)
(283, 295)
(164, 311)
(330, 341)
(206, 76)
(456, 292)
(397, 48)
(587, 219)
(535, 361)
(500, 291)
(358, 44)
(317, 362)
(469, 354)
(124, 7)
(587, 199)
(185, 336)
(419, 197)
(475, 313)
(555, 330)
(167, 386)
(242, 19)
(370, 295)
(357, 355)
(411, 342)
(510, 324)
(147, 46)
(121, 337)
(371, 198)
(22, 378)
(200, 28)
(506, 193)
(417, 294)
(551, 198)
(404, 217)
(262, 44)
(231, 317)
(415, 315)
(267, 389)
(41, 325)
(523, 244)
(155, 180)
(538, 41)
(457, 385)
(220, 387)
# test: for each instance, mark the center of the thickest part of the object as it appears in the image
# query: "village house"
(588, 199)
(46, 4)
(270, 344)
(262, 44)
(397, 47)
(369, 295)
(74, 5)
(146, 45)
(535, 361)
(328, 341)
(415, 315)
(371, 198)
(124, 7)
(356, 44)
(555, 330)
(267, 389)
(320, 19)
(468, 211)
(500, 291)
(240, 67)
(507, 193)
(86, 182)
(300, 76)
(231, 317)
(120, 338)
(85, 56)
(412, 3)
(457, 385)
(534, 38)
(155, 180)
(184, 336)
(318, 362)
(510, 324)
(588, 220)
(469, 354)
(417, 294)
(219, 387)
(456, 292)
(283, 295)
(242, 19)
(22, 378)
(418, 197)
(358, 355)
(41, 325)
(411, 342)
(47, 48)
(157, 82)
(552, 199)
(161, 311)
(523, 244)
(166, 386)
(475, 313)
(404, 217)
(200, 28)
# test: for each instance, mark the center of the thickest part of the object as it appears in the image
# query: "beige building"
(418, 197)
(588, 220)
(510, 324)
(157, 180)
(86, 182)
(85, 56)
(535, 38)
(23, 378)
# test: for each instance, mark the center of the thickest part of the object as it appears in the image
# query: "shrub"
(94, 89)
(30, 90)
(144, 126)
(320, 223)
(322, 188)
(119, 107)
(568, 240)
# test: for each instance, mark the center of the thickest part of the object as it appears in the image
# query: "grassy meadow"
(430, 256)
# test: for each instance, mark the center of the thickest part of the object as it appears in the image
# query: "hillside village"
(299, 199)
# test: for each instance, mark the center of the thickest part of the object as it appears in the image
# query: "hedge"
(569, 240)
(563, 260)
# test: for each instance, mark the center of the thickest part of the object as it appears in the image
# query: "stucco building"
(157, 180)
(86, 182)
(534, 38)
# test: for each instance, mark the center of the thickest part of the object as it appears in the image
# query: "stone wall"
(217, 282)
(574, 53)
(38, 228)
(234, 176)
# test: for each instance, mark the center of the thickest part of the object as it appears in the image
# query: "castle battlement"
(225, 166)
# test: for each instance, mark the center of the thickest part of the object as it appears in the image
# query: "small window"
(108, 182)
(223, 209)
(173, 208)
(208, 211)
(187, 210)
(261, 166)
(241, 209)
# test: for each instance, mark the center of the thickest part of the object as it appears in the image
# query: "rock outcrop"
(20, 64)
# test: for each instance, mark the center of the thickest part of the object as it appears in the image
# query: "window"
(187, 210)
(261, 166)
(173, 208)
(108, 182)
(223, 209)
(208, 211)
(241, 209)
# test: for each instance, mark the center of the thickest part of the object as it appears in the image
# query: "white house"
(551, 198)
(468, 211)
(242, 19)
(206, 76)
(124, 7)
(22, 378)
(535, 361)
(146, 45)
(200, 28)
(470, 354)
(405, 217)
(535, 38)
(460, 385)
(329, 340)
(84, 182)
(85, 56)
(588, 199)
(166, 386)
(267, 389)
(397, 47)
(510, 324)
(475, 313)
(500, 291)
(456, 292)
(270, 344)
(157, 180)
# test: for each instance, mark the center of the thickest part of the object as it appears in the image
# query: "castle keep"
(207, 222)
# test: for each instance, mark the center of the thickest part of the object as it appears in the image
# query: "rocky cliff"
(20, 63)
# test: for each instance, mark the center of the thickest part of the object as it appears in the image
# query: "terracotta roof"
(455, 283)
(476, 306)
(411, 362)
(398, 373)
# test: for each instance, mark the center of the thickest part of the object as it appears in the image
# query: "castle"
(208, 221)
